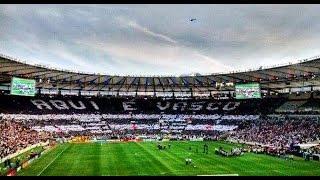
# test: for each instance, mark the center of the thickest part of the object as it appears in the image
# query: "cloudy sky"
(159, 39)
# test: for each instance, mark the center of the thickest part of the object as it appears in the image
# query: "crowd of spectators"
(115, 123)
(246, 123)
(15, 137)
(278, 133)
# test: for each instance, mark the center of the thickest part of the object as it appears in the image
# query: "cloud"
(67, 55)
(145, 30)
(156, 59)
(159, 39)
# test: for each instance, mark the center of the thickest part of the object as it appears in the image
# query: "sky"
(151, 40)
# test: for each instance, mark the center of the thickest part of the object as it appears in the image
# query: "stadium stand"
(275, 123)
(15, 137)
(97, 117)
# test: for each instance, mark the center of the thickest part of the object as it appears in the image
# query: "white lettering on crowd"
(212, 107)
(59, 104)
(82, 106)
(181, 105)
(227, 108)
(162, 108)
(196, 106)
(128, 106)
(41, 104)
(131, 106)
(96, 107)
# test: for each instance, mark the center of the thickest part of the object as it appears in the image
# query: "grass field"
(23, 157)
(145, 159)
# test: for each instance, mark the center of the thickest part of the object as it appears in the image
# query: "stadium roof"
(303, 74)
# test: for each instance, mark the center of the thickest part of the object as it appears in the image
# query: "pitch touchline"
(219, 175)
(52, 161)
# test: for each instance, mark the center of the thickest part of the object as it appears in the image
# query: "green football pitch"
(104, 159)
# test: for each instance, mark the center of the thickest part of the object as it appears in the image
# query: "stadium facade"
(290, 78)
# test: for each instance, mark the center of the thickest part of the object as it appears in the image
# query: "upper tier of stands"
(123, 105)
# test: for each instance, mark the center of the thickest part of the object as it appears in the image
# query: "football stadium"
(56, 120)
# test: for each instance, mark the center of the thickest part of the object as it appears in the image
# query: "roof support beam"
(11, 65)
(123, 80)
(105, 85)
(138, 85)
(129, 85)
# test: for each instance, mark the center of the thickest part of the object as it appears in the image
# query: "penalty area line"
(53, 161)
(219, 175)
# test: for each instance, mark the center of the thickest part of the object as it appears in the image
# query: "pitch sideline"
(53, 160)
(219, 175)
